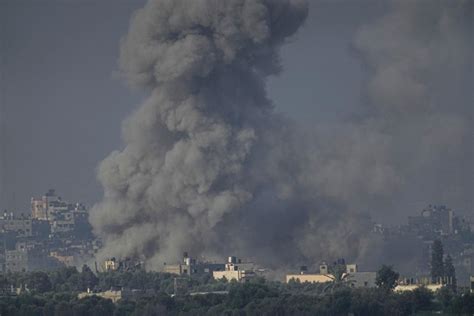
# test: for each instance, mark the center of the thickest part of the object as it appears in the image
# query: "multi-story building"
(28, 256)
(190, 266)
(235, 269)
(62, 216)
(41, 208)
(24, 226)
(433, 220)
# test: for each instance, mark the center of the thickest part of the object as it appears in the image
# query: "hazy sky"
(62, 106)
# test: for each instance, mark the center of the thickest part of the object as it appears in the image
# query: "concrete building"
(116, 295)
(29, 256)
(66, 259)
(433, 219)
(112, 295)
(125, 264)
(411, 287)
(16, 260)
(190, 266)
(24, 226)
(62, 216)
(356, 278)
(322, 277)
(237, 270)
(311, 278)
(410, 284)
(41, 208)
(352, 277)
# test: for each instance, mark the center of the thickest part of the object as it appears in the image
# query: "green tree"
(39, 282)
(437, 265)
(450, 273)
(386, 278)
(88, 278)
(338, 268)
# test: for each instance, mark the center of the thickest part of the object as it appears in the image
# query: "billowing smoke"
(209, 167)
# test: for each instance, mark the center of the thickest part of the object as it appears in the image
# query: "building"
(24, 226)
(66, 259)
(115, 296)
(42, 208)
(125, 264)
(237, 270)
(433, 220)
(356, 278)
(472, 283)
(410, 284)
(190, 266)
(411, 287)
(111, 264)
(16, 260)
(62, 216)
(322, 277)
(352, 277)
(28, 256)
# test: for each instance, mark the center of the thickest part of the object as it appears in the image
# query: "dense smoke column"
(209, 168)
(190, 147)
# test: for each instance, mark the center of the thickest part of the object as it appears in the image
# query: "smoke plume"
(209, 167)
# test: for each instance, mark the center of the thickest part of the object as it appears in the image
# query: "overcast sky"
(62, 106)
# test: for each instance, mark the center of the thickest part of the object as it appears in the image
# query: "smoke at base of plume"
(209, 168)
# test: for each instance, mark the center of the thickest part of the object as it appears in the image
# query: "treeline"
(55, 294)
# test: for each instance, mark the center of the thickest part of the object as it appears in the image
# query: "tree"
(39, 282)
(437, 265)
(338, 268)
(386, 278)
(450, 273)
(88, 278)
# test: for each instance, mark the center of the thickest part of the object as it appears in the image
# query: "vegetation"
(55, 294)
(386, 278)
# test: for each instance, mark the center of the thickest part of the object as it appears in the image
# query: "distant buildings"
(351, 276)
(62, 216)
(410, 284)
(433, 220)
(55, 233)
(190, 266)
(322, 277)
(24, 226)
(116, 295)
(416, 237)
(237, 270)
(126, 264)
(234, 269)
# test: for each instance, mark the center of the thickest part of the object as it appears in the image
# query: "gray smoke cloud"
(419, 96)
(209, 167)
